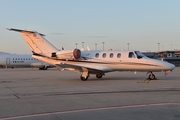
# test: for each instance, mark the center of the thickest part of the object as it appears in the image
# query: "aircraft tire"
(152, 77)
(99, 75)
(45, 68)
(84, 78)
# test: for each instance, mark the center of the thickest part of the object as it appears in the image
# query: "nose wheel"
(152, 76)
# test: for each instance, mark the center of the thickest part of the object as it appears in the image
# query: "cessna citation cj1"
(90, 62)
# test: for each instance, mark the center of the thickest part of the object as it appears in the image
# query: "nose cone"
(172, 66)
(168, 66)
(159, 65)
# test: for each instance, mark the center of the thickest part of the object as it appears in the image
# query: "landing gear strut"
(85, 74)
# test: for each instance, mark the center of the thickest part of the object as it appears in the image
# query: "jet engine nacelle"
(67, 54)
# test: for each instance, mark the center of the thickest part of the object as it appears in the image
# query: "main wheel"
(84, 78)
(99, 75)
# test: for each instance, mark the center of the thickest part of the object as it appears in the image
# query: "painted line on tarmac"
(88, 109)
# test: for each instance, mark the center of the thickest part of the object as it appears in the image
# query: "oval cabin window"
(104, 55)
(118, 55)
(111, 55)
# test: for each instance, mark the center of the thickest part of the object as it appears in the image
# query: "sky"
(141, 23)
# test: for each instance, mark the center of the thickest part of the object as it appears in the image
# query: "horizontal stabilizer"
(29, 31)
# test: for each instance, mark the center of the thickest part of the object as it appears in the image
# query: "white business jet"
(90, 62)
(21, 60)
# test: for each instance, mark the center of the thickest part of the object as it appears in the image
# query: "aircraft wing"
(93, 69)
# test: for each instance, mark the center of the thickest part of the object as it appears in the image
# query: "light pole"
(83, 45)
(158, 47)
(128, 45)
(96, 46)
(103, 45)
(76, 45)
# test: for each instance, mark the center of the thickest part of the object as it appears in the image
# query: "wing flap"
(92, 69)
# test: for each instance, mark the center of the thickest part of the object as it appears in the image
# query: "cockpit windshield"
(139, 55)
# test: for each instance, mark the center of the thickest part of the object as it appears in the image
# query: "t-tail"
(36, 42)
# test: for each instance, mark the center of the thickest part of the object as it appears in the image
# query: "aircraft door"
(8, 61)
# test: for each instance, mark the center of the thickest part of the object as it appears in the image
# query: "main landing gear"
(86, 76)
(99, 75)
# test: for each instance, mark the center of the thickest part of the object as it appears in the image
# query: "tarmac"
(27, 94)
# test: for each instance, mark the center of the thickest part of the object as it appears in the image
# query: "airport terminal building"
(169, 56)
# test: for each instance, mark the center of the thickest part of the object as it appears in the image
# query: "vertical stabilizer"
(36, 42)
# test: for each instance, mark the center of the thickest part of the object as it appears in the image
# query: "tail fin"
(36, 42)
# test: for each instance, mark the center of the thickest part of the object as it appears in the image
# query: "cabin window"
(18, 58)
(111, 55)
(104, 55)
(118, 55)
(131, 55)
(97, 55)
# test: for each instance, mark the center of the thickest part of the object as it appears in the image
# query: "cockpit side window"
(139, 55)
(131, 55)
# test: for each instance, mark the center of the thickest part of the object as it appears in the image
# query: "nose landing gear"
(84, 78)
(151, 76)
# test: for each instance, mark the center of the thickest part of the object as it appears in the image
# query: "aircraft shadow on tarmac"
(130, 78)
